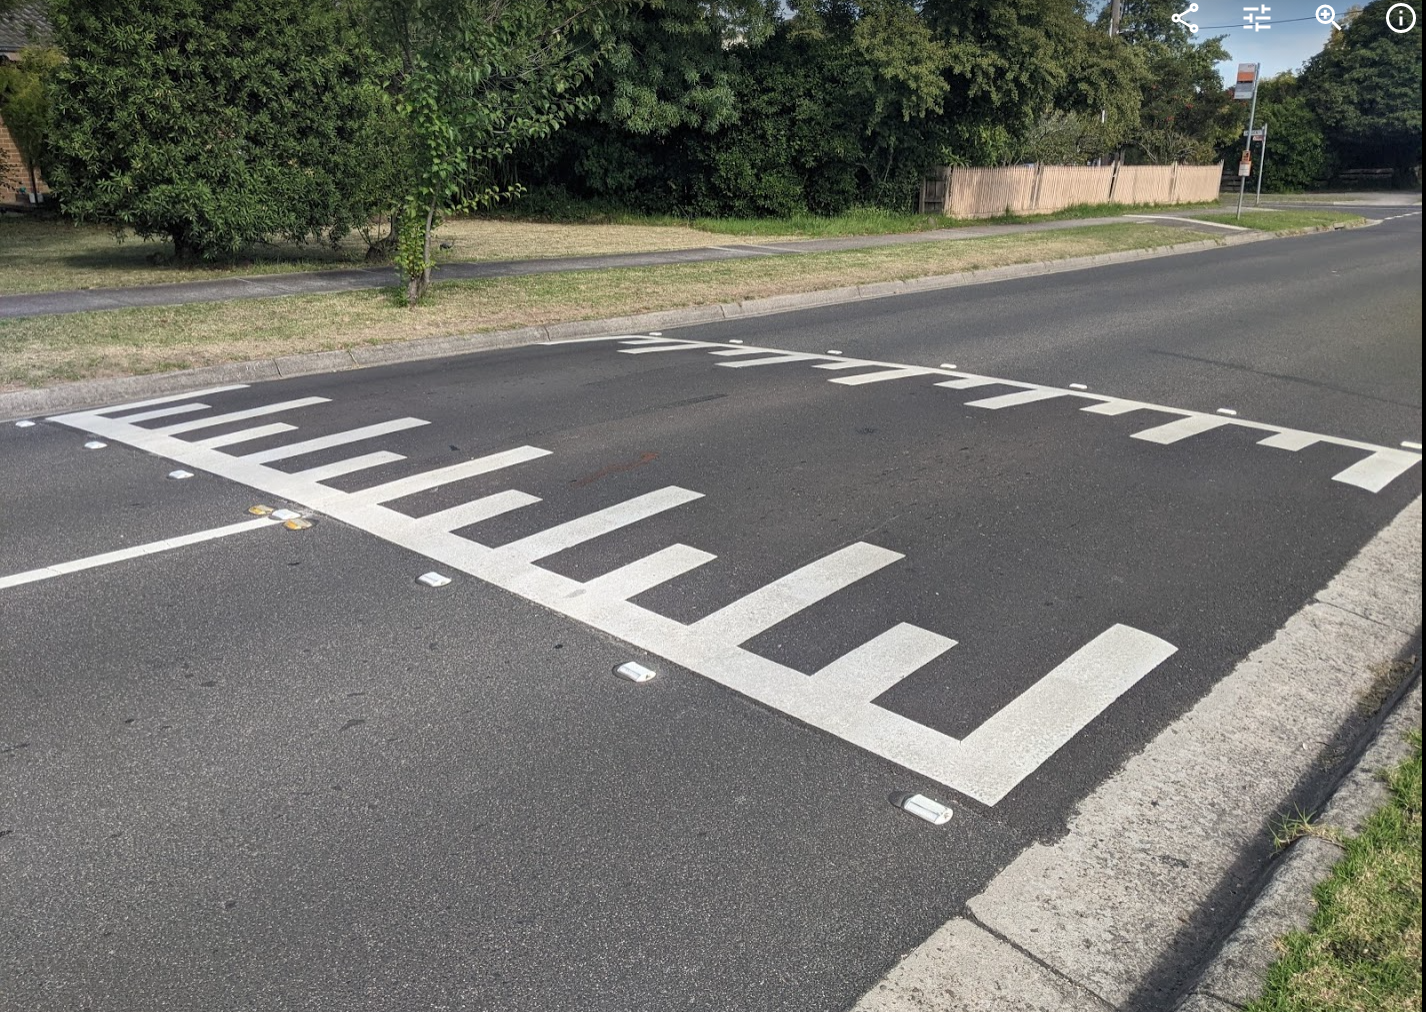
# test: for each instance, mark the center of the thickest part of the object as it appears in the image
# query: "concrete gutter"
(93, 393)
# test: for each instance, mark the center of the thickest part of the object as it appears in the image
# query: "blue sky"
(1287, 45)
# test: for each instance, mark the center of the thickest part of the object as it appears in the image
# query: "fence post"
(1035, 189)
(1173, 185)
(1113, 181)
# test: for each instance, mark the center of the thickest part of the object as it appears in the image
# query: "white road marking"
(764, 608)
(774, 360)
(1374, 473)
(476, 510)
(729, 352)
(340, 467)
(1016, 399)
(243, 435)
(885, 374)
(649, 572)
(969, 383)
(181, 409)
(238, 416)
(879, 663)
(1290, 439)
(679, 346)
(1406, 444)
(1181, 428)
(402, 487)
(585, 528)
(1114, 406)
(169, 399)
(847, 363)
(152, 548)
(335, 439)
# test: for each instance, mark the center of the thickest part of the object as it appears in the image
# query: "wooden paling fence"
(1041, 189)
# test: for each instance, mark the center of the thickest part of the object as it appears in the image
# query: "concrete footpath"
(266, 286)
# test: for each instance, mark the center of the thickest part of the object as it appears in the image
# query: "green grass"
(1282, 221)
(41, 350)
(1362, 952)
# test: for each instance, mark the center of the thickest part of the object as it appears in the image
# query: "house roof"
(24, 25)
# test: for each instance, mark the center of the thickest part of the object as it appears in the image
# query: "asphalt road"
(272, 771)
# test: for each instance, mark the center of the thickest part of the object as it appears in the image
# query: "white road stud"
(180, 474)
(95, 444)
(833, 351)
(433, 579)
(1228, 411)
(948, 365)
(1078, 386)
(656, 333)
(634, 672)
(24, 423)
(923, 807)
(735, 340)
(285, 514)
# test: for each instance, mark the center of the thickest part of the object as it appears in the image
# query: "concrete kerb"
(1235, 976)
(93, 393)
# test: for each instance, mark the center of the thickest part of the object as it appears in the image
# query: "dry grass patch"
(38, 351)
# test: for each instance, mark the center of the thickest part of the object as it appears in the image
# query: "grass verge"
(1362, 952)
(1282, 221)
(39, 351)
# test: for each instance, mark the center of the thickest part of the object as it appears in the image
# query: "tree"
(1366, 89)
(1298, 155)
(25, 106)
(215, 125)
(475, 80)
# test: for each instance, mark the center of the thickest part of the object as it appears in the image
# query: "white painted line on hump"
(239, 416)
(243, 435)
(774, 360)
(476, 510)
(970, 383)
(1016, 399)
(879, 377)
(335, 439)
(585, 528)
(677, 346)
(152, 548)
(103, 412)
(402, 487)
(181, 409)
(1114, 406)
(784, 597)
(878, 664)
(730, 352)
(1290, 439)
(337, 468)
(847, 363)
(1376, 472)
(649, 572)
(1182, 428)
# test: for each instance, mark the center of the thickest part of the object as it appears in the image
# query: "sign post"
(1262, 161)
(1246, 90)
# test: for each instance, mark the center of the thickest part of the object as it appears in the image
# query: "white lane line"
(848, 363)
(773, 360)
(1114, 406)
(1376, 472)
(402, 487)
(971, 382)
(611, 518)
(887, 374)
(1037, 723)
(1181, 428)
(335, 439)
(1016, 399)
(730, 352)
(1406, 444)
(243, 435)
(878, 664)
(153, 547)
(649, 572)
(476, 510)
(237, 416)
(181, 409)
(1290, 439)
(786, 596)
(340, 467)
(679, 346)
(104, 412)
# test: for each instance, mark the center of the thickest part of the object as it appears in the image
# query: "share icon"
(1179, 18)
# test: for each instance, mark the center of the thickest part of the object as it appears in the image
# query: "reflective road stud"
(95, 444)
(923, 807)
(433, 579)
(24, 424)
(634, 672)
(180, 474)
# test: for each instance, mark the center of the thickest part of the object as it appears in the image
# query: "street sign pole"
(1262, 163)
(1248, 141)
